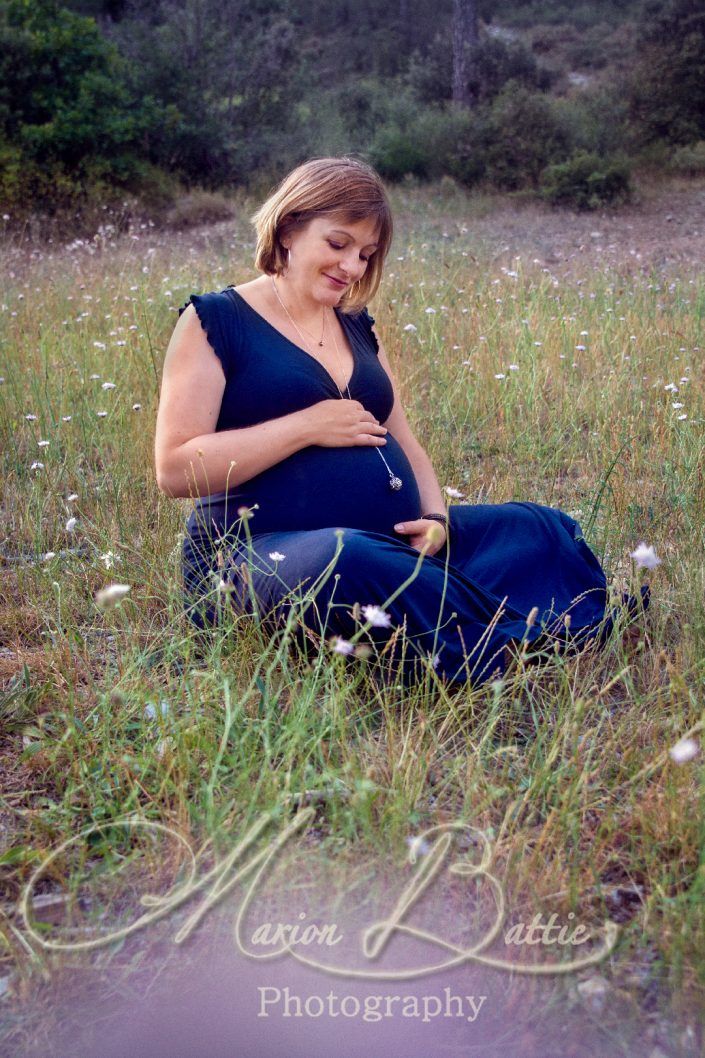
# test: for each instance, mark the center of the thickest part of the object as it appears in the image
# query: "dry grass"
(565, 767)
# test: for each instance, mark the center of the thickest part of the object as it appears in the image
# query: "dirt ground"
(661, 231)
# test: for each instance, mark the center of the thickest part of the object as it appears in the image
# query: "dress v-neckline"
(284, 338)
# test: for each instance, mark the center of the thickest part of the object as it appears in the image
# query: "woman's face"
(328, 255)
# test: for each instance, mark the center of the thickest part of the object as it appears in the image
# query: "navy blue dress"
(330, 512)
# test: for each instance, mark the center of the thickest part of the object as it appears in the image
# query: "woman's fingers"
(372, 432)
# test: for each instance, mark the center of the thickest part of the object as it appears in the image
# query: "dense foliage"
(68, 119)
(101, 96)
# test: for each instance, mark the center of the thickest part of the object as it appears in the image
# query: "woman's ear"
(284, 234)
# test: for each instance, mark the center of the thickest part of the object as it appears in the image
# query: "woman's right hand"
(343, 423)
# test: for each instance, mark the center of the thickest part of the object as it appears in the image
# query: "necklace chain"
(395, 483)
(323, 328)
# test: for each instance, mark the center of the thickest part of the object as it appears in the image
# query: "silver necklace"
(323, 328)
(395, 483)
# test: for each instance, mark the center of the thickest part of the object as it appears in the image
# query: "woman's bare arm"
(192, 460)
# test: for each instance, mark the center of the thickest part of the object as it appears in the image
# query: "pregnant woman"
(279, 411)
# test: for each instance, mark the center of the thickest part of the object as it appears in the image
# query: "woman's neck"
(302, 307)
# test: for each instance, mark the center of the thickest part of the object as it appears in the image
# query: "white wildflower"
(72, 497)
(150, 711)
(454, 493)
(342, 646)
(410, 327)
(645, 556)
(418, 846)
(99, 345)
(429, 310)
(276, 556)
(376, 616)
(672, 387)
(101, 414)
(30, 417)
(593, 991)
(681, 417)
(71, 524)
(42, 444)
(108, 385)
(500, 375)
(66, 418)
(684, 751)
(36, 465)
(136, 407)
(93, 377)
(513, 367)
(110, 595)
(676, 405)
(108, 559)
(49, 555)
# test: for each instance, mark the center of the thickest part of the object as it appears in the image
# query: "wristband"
(442, 518)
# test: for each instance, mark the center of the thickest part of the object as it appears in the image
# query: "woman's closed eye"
(339, 246)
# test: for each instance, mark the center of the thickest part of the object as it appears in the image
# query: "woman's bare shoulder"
(254, 289)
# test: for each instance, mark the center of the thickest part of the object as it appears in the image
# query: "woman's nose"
(351, 263)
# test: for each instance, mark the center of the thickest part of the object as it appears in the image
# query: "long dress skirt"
(501, 566)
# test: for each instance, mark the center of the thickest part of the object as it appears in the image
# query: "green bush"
(582, 117)
(396, 153)
(690, 160)
(508, 143)
(586, 181)
(63, 91)
(522, 136)
(431, 142)
(667, 90)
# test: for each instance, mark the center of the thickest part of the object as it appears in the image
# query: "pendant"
(395, 483)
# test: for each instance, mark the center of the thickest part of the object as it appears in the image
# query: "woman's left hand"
(425, 534)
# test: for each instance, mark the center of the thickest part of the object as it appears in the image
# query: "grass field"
(570, 382)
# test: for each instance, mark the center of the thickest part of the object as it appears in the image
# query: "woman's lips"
(339, 283)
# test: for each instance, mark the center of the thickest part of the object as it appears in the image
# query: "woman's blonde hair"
(341, 187)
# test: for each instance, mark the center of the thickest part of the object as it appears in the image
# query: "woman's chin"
(330, 297)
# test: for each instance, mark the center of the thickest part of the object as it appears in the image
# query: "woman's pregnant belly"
(319, 487)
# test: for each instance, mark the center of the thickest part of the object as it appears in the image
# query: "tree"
(491, 64)
(64, 99)
(668, 86)
(465, 37)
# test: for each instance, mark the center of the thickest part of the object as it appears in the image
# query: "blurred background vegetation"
(113, 103)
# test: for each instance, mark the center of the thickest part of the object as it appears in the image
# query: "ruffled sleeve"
(217, 317)
(363, 323)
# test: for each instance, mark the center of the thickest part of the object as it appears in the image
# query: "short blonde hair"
(340, 187)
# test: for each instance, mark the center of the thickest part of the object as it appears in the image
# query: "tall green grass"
(564, 764)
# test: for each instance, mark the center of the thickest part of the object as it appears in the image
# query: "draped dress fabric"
(330, 513)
